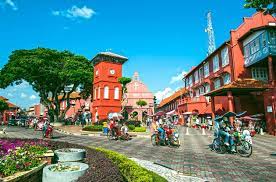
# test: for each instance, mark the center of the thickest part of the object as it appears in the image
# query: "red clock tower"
(107, 91)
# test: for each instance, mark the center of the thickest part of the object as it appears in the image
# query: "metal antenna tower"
(211, 36)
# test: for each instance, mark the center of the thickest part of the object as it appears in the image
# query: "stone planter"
(69, 155)
(33, 175)
(48, 157)
(64, 176)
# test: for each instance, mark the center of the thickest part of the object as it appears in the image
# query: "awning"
(240, 87)
(187, 113)
(171, 112)
(159, 113)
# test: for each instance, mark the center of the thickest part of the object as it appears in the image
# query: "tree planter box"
(64, 176)
(48, 157)
(69, 155)
(27, 176)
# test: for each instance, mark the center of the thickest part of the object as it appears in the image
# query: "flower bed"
(18, 156)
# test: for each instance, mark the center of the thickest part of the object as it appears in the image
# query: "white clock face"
(112, 72)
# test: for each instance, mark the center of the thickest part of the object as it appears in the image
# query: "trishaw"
(242, 139)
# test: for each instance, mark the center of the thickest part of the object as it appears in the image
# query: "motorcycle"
(118, 134)
(172, 136)
(48, 132)
(242, 143)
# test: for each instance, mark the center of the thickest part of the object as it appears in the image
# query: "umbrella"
(257, 115)
(115, 115)
(250, 118)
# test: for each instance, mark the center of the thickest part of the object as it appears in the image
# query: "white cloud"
(178, 77)
(76, 12)
(11, 4)
(23, 95)
(10, 95)
(162, 94)
(33, 97)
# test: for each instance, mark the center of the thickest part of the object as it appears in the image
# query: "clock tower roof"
(109, 57)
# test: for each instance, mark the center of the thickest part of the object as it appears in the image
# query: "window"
(263, 39)
(187, 82)
(225, 56)
(246, 51)
(206, 70)
(272, 37)
(116, 93)
(226, 79)
(215, 63)
(191, 80)
(201, 90)
(254, 46)
(197, 92)
(191, 94)
(95, 93)
(217, 83)
(259, 74)
(106, 92)
(99, 93)
(201, 74)
(196, 76)
(207, 87)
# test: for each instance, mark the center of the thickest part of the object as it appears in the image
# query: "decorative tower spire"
(211, 35)
(136, 76)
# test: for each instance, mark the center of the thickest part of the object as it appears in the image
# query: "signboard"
(269, 109)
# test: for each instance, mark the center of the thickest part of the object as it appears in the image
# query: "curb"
(83, 133)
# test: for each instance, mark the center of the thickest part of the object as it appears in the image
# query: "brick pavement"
(193, 157)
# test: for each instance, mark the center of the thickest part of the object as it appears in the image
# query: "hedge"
(131, 127)
(130, 170)
(140, 129)
(93, 128)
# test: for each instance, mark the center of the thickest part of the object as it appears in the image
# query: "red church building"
(107, 91)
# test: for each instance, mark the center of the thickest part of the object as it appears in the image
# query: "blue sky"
(161, 38)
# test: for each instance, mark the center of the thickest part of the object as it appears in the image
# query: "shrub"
(135, 123)
(131, 127)
(131, 170)
(93, 128)
(140, 129)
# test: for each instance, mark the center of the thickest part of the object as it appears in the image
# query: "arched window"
(99, 93)
(226, 79)
(116, 93)
(106, 92)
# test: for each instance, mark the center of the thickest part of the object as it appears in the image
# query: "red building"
(240, 74)
(8, 114)
(107, 91)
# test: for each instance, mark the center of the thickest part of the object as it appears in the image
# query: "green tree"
(267, 6)
(124, 81)
(55, 75)
(141, 103)
(3, 107)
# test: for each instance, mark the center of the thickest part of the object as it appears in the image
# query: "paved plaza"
(193, 158)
